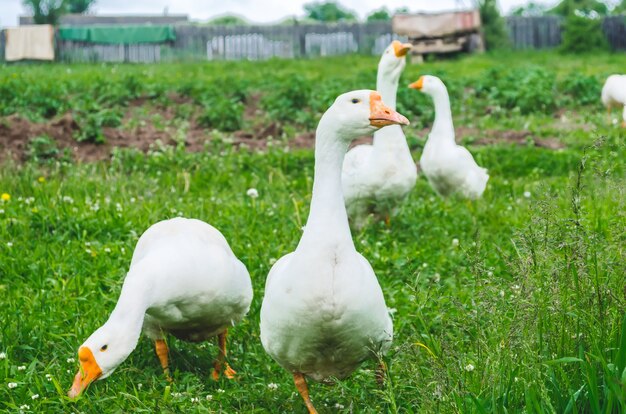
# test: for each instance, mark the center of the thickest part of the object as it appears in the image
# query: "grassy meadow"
(513, 303)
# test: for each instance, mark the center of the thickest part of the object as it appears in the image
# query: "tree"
(582, 34)
(620, 8)
(531, 9)
(228, 20)
(494, 29)
(380, 15)
(46, 11)
(50, 11)
(328, 11)
(589, 7)
(80, 6)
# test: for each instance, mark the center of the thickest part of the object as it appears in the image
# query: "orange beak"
(88, 373)
(381, 115)
(401, 49)
(418, 84)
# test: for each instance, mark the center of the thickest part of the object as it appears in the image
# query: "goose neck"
(328, 221)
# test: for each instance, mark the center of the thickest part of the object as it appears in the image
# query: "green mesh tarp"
(118, 34)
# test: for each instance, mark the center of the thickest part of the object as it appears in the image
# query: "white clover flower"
(195, 399)
(469, 367)
(252, 193)
(34, 396)
(339, 406)
(12, 385)
(209, 397)
(220, 391)
(107, 250)
(490, 273)
(21, 368)
(118, 206)
(436, 277)
(49, 377)
(272, 386)
(70, 360)
(424, 265)
(133, 199)
(25, 407)
(3, 355)
(1, 211)
(455, 242)
(29, 200)
(9, 244)
(527, 194)
(139, 385)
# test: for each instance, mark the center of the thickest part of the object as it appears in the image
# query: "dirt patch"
(145, 123)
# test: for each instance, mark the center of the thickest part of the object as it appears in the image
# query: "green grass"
(532, 297)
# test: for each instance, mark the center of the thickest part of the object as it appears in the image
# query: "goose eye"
(104, 347)
(355, 101)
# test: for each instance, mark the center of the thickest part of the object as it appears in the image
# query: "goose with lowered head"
(450, 168)
(184, 279)
(377, 177)
(614, 95)
(324, 312)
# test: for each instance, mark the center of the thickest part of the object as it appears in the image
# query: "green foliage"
(46, 11)
(380, 15)
(531, 89)
(583, 34)
(42, 148)
(567, 8)
(223, 113)
(531, 9)
(93, 120)
(80, 6)
(494, 29)
(288, 100)
(620, 8)
(328, 11)
(583, 89)
(228, 20)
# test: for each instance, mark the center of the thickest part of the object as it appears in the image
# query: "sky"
(260, 11)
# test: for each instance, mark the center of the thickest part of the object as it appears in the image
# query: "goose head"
(393, 61)
(358, 113)
(428, 84)
(100, 355)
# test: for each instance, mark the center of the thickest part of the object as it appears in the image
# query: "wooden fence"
(194, 42)
(534, 32)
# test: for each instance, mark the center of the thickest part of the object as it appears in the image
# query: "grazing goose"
(614, 95)
(183, 279)
(377, 177)
(324, 312)
(450, 168)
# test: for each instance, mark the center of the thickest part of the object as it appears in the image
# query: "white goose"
(450, 168)
(379, 176)
(324, 312)
(614, 95)
(183, 279)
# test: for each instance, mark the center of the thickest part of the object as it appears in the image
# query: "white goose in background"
(450, 168)
(184, 279)
(324, 312)
(614, 95)
(378, 176)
